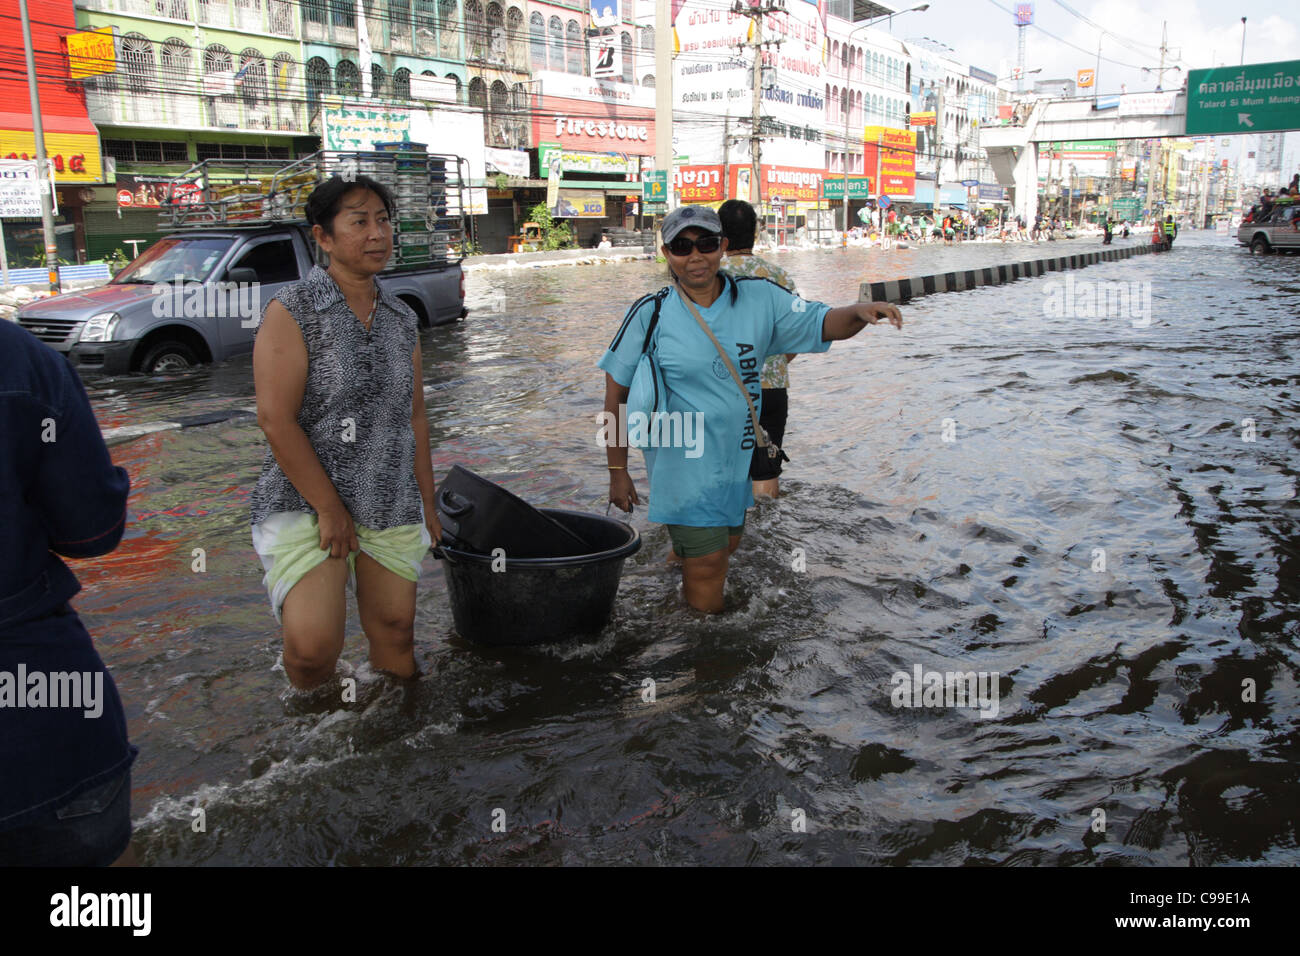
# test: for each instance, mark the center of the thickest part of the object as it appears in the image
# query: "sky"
(1200, 34)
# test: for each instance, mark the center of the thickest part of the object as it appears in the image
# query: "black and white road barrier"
(901, 290)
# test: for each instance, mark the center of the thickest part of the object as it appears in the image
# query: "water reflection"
(1123, 682)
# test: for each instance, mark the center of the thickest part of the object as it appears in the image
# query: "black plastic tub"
(480, 516)
(540, 600)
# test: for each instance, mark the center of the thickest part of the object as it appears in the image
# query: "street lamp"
(848, 96)
(1160, 74)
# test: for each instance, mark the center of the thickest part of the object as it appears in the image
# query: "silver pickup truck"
(196, 297)
(1279, 231)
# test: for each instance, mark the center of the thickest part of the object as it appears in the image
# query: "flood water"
(1099, 509)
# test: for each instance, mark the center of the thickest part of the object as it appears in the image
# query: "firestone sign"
(601, 129)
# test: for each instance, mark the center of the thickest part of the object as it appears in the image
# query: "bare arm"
(622, 492)
(423, 461)
(848, 320)
(280, 377)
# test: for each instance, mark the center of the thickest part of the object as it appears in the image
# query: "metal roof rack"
(427, 190)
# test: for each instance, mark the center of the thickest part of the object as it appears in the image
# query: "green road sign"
(1257, 98)
(656, 187)
(859, 187)
(1126, 208)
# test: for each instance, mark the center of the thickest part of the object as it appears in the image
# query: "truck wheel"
(169, 356)
(1260, 246)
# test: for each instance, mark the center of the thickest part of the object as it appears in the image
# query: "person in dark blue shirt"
(65, 759)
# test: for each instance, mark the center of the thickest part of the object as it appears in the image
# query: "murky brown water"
(1161, 690)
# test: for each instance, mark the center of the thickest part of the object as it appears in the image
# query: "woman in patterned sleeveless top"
(346, 490)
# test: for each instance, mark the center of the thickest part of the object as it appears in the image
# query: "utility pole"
(755, 132)
(43, 175)
(726, 154)
(755, 15)
(1096, 73)
(664, 95)
(1153, 170)
(938, 146)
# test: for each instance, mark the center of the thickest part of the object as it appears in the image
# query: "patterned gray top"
(356, 406)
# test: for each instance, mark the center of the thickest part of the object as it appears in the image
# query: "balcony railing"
(277, 17)
(190, 111)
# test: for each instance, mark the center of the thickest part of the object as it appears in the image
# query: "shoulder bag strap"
(763, 440)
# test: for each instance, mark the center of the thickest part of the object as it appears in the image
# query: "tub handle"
(437, 551)
(452, 504)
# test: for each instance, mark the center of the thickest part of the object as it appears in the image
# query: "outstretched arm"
(847, 321)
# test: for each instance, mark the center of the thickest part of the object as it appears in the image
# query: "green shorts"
(692, 542)
(288, 543)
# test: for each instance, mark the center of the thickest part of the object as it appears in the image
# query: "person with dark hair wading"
(346, 490)
(739, 227)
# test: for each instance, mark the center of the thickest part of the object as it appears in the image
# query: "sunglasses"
(682, 246)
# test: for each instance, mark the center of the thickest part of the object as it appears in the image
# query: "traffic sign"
(1258, 98)
(859, 187)
(1127, 207)
(656, 186)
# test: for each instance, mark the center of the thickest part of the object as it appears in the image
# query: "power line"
(1123, 41)
(1073, 46)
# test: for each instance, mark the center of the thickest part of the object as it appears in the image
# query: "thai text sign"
(1082, 149)
(75, 155)
(91, 53)
(859, 187)
(354, 128)
(1147, 104)
(699, 183)
(790, 183)
(1257, 98)
(577, 161)
(896, 159)
(20, 189)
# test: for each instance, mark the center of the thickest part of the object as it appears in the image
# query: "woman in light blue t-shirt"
(699, 467)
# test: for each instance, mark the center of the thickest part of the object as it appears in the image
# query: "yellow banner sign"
(1085, 78)
(91, 53)
(75, 155)
(580, 204)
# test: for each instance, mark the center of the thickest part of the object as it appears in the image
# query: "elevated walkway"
(1013, 150)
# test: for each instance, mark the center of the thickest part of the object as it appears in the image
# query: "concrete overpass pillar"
(1026, 174)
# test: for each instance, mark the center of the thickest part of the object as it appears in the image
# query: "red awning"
(50, 123)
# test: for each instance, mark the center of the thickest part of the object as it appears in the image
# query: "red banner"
(594, 127)
(786, 183)
(699, 183)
